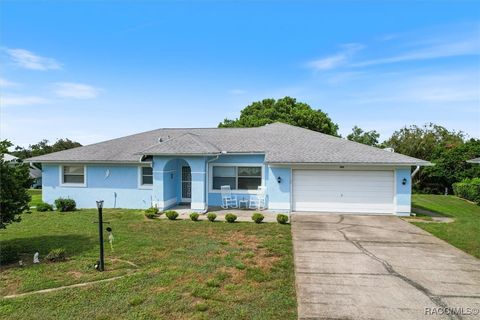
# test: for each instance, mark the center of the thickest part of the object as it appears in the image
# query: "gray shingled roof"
(281, 143)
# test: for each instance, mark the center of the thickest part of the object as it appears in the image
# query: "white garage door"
(343, 191)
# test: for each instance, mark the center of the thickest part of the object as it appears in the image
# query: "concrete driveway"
(379, 267)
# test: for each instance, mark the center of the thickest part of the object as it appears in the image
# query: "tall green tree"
(446, 149)
(43, 147)
(14, 183)
(366, 137)
(451, 166)
(425, 142)
(286, 110)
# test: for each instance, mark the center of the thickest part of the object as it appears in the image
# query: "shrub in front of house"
(194, 216)
(282, 218)
(8, 254)
(230, 217)
(468, 189)
(171, 214)
(43, 206)
(63, 204)
(257, 217)
(211, 216)
(56, 255)
(151, 212)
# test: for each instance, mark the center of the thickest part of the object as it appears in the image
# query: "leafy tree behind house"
(366, 137)
(451, 166)
(426, 142)
(447, 150)
(14, 183)
(43, 147)
(286, 110)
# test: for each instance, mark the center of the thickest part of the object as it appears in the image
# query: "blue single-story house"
(301, 170)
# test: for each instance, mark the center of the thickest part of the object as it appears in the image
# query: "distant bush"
(43, 206)
(211, 216)
(194, 216)
(230, 217)
(64, 205)
(468, 189)
(257, 217)
(171, 214)
(282, 218)
(56, 255)
(8, 254)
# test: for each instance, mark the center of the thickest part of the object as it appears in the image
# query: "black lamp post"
(101, 266)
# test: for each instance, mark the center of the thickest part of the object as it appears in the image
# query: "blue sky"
(92, 70)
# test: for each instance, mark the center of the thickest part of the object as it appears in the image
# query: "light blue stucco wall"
(403, 194)
(279, 193)
(119, 188)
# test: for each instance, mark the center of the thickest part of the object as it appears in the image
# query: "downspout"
(207, 183)
(415, 171)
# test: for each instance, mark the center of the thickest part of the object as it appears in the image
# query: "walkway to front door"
(378, 267)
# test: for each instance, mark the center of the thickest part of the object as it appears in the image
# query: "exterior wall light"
(404, 181)
(279, 179)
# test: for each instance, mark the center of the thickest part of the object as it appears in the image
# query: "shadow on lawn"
(72, 243)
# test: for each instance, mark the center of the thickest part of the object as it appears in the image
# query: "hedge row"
(468, 189)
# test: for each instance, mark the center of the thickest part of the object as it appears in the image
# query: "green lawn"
(186, 270)
(36, 195)
(464, 232)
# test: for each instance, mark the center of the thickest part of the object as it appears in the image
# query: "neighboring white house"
(35, 173)
(476, 160)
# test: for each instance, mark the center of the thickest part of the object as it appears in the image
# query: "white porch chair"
(258, 201)
(227, 198)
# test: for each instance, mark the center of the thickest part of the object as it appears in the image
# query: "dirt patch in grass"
(75, 274)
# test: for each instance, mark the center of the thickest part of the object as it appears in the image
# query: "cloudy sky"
(91, 70)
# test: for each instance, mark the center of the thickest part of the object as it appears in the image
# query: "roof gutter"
(426, 163)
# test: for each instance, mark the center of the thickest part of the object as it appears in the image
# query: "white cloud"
(75, 90)
(338, 59)
(22, 101)
(4, 83)
(28, 60)
(433, 51)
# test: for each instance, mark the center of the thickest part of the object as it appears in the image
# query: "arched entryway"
(179, 181)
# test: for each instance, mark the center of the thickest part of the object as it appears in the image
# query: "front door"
(186, 184)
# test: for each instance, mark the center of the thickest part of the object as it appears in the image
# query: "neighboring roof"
(476, 160)
(281, 143)
(8, 157)
(34, 172)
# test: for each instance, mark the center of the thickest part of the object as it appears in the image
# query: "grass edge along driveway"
(464, 232)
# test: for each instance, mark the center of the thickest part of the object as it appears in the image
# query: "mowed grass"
(173, 269)
(464, 232)
(36, 195)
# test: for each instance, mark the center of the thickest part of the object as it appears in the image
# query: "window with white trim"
(147, 176)
(73, 175)
(237, 177)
